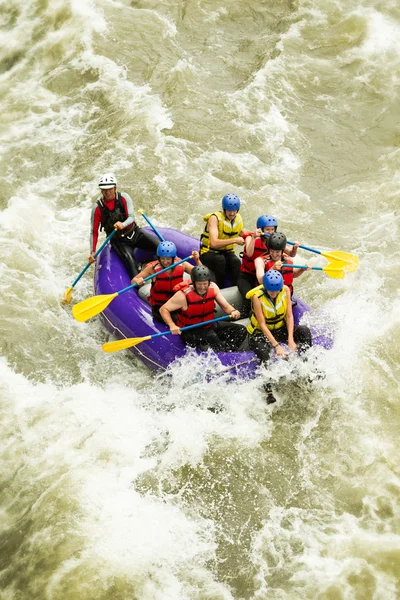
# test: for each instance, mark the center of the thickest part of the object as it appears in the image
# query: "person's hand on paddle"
(196, 257)
(174, 329)
(119, 225)
(138, 280)
(91, 258)
(293, 251)
(235, 314)
(239, 241)
(278, 265)
(307, 267)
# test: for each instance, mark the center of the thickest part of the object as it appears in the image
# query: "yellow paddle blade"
(123, 344)
(92, 306)
(350, 260)
(340, 264)
(67, 295)
(334, 272)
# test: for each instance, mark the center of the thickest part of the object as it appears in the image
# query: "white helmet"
(107, 181)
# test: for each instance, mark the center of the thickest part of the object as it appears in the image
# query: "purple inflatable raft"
(129, 315)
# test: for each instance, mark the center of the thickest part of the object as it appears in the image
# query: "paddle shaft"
(224, 318)
(304, 267)
(300, 245)
(158, 234)
(155, 274)
(96, 254)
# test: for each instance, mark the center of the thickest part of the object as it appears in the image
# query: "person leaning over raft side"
(115, 210)
(271, 322)
(196, 304)
(275, 259)
(217, 242)
(162, 285)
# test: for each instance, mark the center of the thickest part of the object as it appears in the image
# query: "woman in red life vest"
(162, 286)
(256, 244)
(275, 259)
(115, 210)
(196, 304)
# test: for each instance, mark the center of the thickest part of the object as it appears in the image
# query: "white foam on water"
(330, 559)
(84, 447)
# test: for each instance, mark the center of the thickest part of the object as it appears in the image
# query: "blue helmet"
(273, 281)
(231, 202)
(166, 250)
(266, 221)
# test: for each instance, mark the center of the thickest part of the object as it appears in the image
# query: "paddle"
(158, 234)
(96, 304)
(68, 293)
(334, 272)
(351, 260)
(129, 342)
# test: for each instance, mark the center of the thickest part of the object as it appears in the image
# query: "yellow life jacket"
(274, 313)
(226, 230)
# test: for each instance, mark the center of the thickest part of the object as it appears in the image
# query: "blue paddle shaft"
(158, 234)
(155, 274)
(193, 326)
(300, 245)
(96, 254)
(303, 267)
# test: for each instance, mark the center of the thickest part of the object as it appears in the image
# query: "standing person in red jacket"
(115, 210)
(162, 286)
(196, 304)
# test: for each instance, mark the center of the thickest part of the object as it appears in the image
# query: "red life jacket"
(199, 308)
(287, 272)
(247, 265)
(162, 286)
(181, 286)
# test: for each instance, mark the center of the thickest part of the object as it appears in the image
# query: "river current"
(116, 484)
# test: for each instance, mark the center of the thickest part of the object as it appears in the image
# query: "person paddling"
(275, 259)
(196, 304)
(256, 244)
(272, 323)
(162, 285)
(223, 230)
(115, 210)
